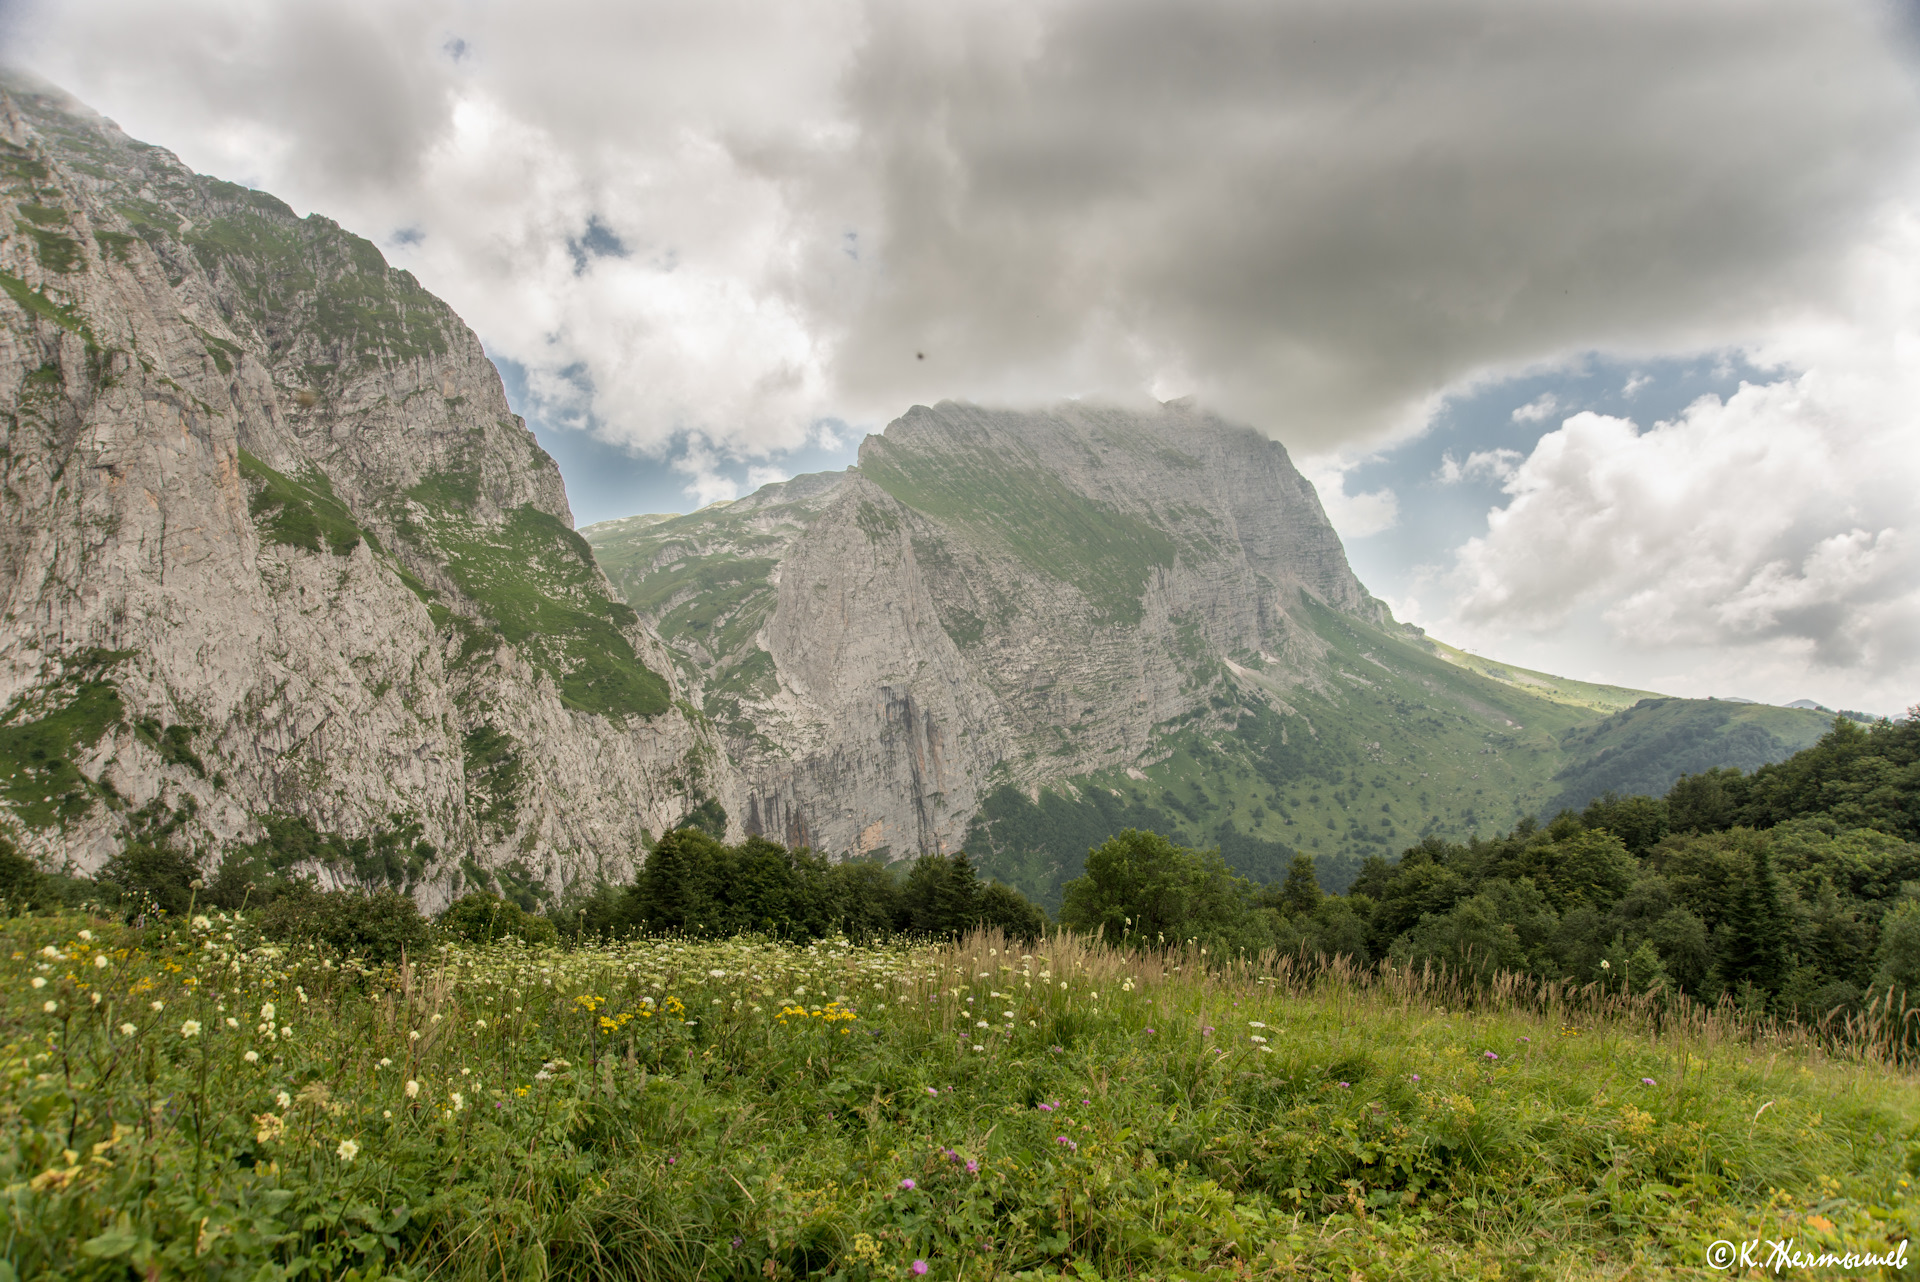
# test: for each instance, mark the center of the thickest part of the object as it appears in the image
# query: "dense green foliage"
(381, 927)
(481, 918)
(694, 884)
(191, 1100)
(1792, 890)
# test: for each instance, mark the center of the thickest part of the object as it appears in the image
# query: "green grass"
(1052, 528)
(36, 303)
(536, 580)
(735, 1109)
(42, 734)
(302, 514)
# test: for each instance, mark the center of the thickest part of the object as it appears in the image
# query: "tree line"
(1795, 889)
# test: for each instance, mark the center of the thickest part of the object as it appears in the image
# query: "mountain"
(1017, 632)
(278, 559)
(284, 577)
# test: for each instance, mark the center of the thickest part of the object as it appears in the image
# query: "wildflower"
(347, 1151)
(1206, 1031)
(413, 1089)
(917, 1268)
(100, 961)
(94, 997)
(267, 1011)
(414, 1036)
(200, 922)
(284, 1100)
(459, 1102)
(385, 1062)
(973, 1167)
(1149, 1030)
(232, 1022)
(87, 935)
(1606, 965)
(1647, 1081)
(387, 1113)
(1254, 1023)
(156, 1005)
(285, 1032)
(1489, 1056)
(933, 1090)
(1416, 1077)
(126, 1030)
(1256, 1039)
(981, 1024)
(1525, 1040)
(51, 1007)
(481, 1023)
(39, 981)
(907, 1185)
(1345, 1086)
(252, 1057)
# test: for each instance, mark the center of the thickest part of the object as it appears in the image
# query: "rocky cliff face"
(276, 551)
(991, 598)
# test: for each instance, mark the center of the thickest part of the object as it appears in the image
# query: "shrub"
(157, 873)
(379, 927)
(481, 918)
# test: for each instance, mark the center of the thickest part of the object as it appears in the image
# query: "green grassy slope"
(1400, 742)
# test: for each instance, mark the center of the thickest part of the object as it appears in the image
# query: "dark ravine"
(281, 566)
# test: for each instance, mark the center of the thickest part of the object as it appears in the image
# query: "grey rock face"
(991, 597)
(269, 492)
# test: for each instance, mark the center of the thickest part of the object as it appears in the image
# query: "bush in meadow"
(482, 918)
(379, 927)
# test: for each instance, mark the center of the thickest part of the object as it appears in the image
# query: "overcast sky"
(1595, 321)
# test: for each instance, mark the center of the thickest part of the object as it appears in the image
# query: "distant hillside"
(1643, 749)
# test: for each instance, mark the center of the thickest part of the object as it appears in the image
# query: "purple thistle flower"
(973, 1167)
(918, 1267)
(907, 1185)
(1648, 1081)
(1490, 1056)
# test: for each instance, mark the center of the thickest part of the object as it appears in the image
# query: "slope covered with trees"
(1794, 889)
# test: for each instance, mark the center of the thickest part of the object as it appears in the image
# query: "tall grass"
(202, 1103)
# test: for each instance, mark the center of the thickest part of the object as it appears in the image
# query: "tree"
(1142, 887)
(1752, 949)
(1301, 894)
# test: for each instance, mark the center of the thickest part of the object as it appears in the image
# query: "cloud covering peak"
(1317, 217)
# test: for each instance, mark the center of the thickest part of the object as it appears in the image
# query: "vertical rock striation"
(991, 597)
(276, 548)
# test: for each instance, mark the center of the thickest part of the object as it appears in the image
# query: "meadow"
(190, 1100)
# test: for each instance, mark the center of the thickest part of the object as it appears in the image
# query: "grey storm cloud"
(1317, 216)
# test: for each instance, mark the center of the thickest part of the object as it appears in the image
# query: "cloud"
(735, 219)
(1771, 532)
(1481, 465)
(1538, 409)
(1354, 516)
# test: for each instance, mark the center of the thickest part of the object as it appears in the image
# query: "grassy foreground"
(185, 1101)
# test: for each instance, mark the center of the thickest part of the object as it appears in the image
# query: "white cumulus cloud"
(1771, 533)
